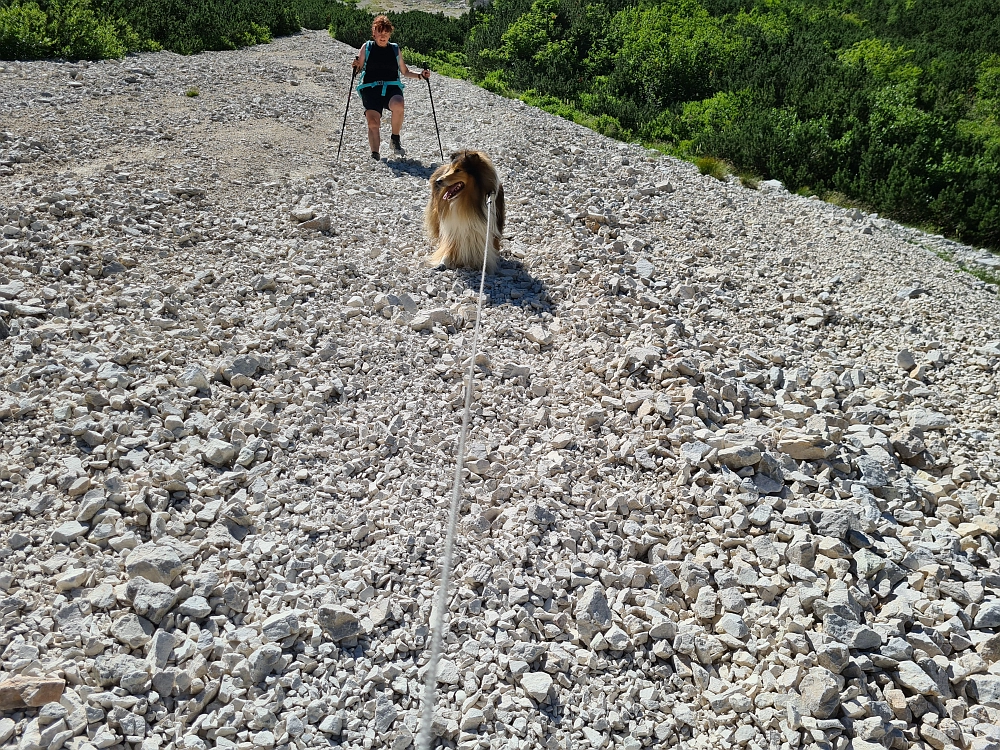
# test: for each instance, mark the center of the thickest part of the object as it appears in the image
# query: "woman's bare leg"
(396, 107)
(374, 123)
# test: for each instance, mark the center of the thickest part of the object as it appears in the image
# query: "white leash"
(424, 737)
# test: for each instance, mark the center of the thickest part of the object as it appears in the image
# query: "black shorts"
(373, 99)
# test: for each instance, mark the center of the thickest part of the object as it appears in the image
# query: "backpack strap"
(383, 84)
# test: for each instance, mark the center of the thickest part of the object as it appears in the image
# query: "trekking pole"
(436, 129)
(346, 110)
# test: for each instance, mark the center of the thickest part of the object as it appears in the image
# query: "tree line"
(101, 29)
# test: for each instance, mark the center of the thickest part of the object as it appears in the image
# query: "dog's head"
(468, 172)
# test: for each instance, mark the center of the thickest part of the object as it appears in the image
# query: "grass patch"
(192, 92)
(713, 167)
(839, 199)
(981, 273)
(749, 180)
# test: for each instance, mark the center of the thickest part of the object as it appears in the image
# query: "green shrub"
(65, 28)
(417, 31)
(350, 24)
(607, 125)
(451, 64)
(712, 167)
(191, 26)
(429, 33)
(23, 32)
(496, 82)
(314, 14)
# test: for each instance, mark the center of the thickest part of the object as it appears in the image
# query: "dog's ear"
(481, 165)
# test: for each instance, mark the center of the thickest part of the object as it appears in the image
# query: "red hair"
(382, 23)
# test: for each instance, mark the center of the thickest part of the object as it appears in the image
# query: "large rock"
(908, 445)
(385, 714)
(911, 676)
(154, 562)
(988, 615)
(448, 672)
(693, 578)
(831, 523)
(868, 563)
(320, 223)
(23, 691)
(195, 377)
(739, 456)
(150, 600)
(427, 319)
(820, 691)
(246, 366)
(195, 607)
(537, 685)
(985, 688)
(68, 532)
(925, 419)
(263, 660)
(280, 626)
(905, 360)
(805, 447)
(850, 633)
(989, 649)
(218, 452)
(7, 727)
(872, 473)
(733, 625)
(132, 630)
(337, 622)
(113, 669)
(592, 613)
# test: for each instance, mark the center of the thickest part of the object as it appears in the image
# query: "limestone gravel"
(733, 461)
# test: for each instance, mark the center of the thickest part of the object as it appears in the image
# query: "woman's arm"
(359, 62)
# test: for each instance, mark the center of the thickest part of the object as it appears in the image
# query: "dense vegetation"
(95, 29)
(894, 104)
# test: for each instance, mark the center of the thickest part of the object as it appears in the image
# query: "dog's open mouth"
(454, 190)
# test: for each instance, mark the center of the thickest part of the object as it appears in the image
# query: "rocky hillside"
(734, 452)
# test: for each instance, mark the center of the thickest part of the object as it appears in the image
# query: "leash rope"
(424, 737)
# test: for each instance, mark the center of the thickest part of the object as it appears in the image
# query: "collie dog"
(455, 217)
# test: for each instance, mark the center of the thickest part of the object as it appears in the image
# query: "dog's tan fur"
(458, 223)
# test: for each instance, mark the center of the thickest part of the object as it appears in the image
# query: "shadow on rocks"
(553, 710)
(512, 284)
(412, 168)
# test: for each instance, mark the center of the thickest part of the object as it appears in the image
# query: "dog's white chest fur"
(466, 238)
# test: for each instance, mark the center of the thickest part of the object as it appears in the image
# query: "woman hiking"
(381, 85)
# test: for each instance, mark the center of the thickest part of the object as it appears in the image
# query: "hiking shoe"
(375, 155)
(397, 147)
